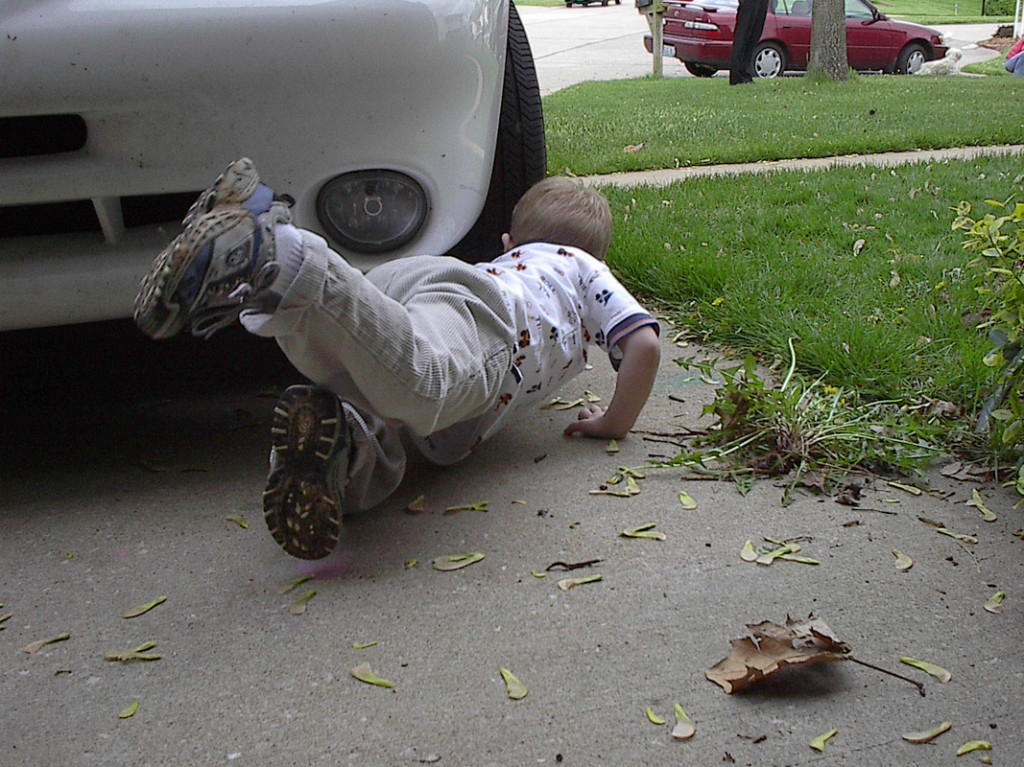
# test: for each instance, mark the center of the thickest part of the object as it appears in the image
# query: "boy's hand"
(640, 355)
(588, 423)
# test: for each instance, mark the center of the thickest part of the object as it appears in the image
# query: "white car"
(398, 127)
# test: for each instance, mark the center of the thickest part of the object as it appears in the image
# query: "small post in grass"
(654, 10)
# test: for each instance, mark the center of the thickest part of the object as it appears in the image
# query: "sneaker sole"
(299, 508)
(155, 313)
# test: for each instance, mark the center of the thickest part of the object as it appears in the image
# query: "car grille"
(46, 135)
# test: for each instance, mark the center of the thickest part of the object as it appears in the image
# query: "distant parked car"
(571, 3)
(398, 127)
(700, 33)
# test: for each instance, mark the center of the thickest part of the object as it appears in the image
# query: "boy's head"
(563, 211)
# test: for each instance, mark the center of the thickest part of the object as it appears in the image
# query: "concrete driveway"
(127, 468)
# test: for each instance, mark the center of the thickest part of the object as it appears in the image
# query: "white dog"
(949, 65)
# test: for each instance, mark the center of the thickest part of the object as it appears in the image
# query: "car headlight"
(372, 211)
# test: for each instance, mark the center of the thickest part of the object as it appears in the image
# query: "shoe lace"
(219, 313)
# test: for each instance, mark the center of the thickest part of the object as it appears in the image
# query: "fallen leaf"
(929, 668)
(644, 531)
(516, 690)
(684, 729)
(858, 246)
(411, 563)
(979, 504)
(903, 562)
(3, 618)
(634, 147)
(686, 501)
(363, 673)
(747, 553)
(284, 588)
(363, 645)
(41, 643)
(974, 745)
(654, 718)
(962, 537)
(456, 561)
(536, 574)
(905, 488)
(612, 447)
(479, 506)
(134, 612)
(416, 507)
(927, 736)
(298, 607)
(799, 560)
(995, 602)
(768, 557)
(135, 654)
(570, 583)
(818, 744)
(126, 713)
(239, 520)
(771, 647)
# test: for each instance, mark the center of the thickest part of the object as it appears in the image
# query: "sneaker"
(234, 186)
(208, 275)
(302, 503)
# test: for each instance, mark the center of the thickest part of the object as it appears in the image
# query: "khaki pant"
(422, 344)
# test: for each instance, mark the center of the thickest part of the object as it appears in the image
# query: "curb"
(881, 160)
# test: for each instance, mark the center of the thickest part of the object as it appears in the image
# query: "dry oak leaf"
(770, 647)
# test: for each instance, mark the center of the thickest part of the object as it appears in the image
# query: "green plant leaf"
(364, 673)
(456, 561)
(39, 644)
(284, 588)
(129, 712)
(653, 718)
(927, 736)
(685, 728)
(972, 746)
(515, 689)
(570, 583)
(298, 607)
(686, 501)
(977, 502)
(134, 612)
(994, 604)
(929, 668)
(818, 743)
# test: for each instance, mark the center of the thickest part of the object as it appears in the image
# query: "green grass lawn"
(858, 264)
(683, 121)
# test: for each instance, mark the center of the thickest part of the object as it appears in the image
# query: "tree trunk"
(828, 39)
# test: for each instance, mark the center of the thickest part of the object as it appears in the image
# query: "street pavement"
(583, 43)
(127, 466)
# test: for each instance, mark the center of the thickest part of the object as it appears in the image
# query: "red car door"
(793, 27)
(870, 43)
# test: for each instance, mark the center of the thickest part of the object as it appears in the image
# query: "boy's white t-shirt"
(562, 300)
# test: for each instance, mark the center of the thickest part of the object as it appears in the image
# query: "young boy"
(426, 349)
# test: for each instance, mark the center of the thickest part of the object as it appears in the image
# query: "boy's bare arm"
(641, 355)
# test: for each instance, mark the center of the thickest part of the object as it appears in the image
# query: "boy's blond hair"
(563, 211)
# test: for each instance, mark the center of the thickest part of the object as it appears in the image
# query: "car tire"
(910, 59)
(699, 70)
(768, 61)
(520, 154)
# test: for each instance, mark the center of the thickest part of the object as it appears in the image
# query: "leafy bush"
(997, 239)
(1000, 7)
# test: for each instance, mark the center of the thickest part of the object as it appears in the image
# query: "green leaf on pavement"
(818, 744)
(516, 690)
(929, 668)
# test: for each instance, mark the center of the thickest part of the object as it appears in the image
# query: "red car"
(700, 33)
